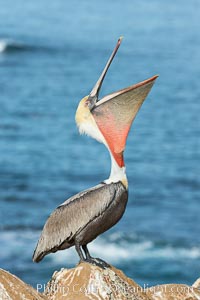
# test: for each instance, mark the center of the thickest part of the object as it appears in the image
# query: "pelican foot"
(98, 262)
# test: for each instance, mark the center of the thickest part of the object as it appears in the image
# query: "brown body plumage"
(81, 218)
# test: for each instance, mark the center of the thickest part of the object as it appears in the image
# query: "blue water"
(51, 54)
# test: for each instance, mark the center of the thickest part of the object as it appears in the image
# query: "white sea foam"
(3, 45)
(111, 250)
(9, 44)
(114, 252)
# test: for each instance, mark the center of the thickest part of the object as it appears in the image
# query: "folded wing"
(72, 216)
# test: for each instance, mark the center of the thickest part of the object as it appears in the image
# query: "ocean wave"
(7, 45)
(138, 251)
(111, 250)
(11, 45)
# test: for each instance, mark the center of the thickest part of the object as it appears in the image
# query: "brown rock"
(12, 288)
(196, 284)
(87, 281)
(173, 292)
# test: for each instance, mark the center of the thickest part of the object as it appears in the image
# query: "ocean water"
(51, 54)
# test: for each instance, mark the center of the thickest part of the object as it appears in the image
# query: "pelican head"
(108, 120)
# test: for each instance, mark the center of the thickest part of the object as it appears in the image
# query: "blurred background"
(51, 54)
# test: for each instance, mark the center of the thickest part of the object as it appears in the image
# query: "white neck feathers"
(117, 173)
(87, 125)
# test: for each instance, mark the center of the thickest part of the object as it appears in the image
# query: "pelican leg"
(87, 253)
(78, 249)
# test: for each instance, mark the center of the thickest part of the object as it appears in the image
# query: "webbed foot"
(98, 262)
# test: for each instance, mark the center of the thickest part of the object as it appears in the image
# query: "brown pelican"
(83, 217)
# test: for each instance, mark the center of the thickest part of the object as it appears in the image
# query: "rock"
(196, 284)
(12, 288)
(87, 281)
(173, 292)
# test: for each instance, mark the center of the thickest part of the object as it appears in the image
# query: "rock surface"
(173, 292)
(12, 288)
(87, 281)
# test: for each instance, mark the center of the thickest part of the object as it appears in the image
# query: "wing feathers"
(71, 217)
